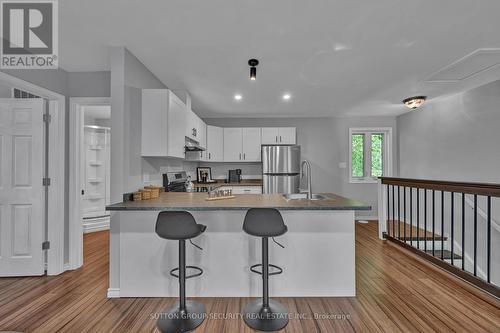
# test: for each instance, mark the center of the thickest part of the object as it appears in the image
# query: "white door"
(251, 144)
(21, 190)
(176, 127)
(232, 144)
(215, 144)
(287, 135)
(270, 135)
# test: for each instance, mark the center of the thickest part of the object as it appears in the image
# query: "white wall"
(325, 143)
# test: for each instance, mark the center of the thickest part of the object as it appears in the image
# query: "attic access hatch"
(472, 64)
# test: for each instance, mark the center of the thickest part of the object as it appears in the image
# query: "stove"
(176, 182)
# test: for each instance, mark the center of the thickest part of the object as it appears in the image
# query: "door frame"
(75, 162)
(55, 224)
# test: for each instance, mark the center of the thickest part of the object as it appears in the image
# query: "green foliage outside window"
(377, 155)
(357, 162)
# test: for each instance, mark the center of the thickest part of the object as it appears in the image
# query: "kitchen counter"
(318, 258)
(197, 202)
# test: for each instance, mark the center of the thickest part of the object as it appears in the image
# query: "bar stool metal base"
(273, 318)
(173, 320)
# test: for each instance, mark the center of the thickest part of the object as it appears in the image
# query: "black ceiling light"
(253, 69)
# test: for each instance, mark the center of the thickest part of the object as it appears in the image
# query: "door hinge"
(46, 181)
(46, 245)
(47, 118)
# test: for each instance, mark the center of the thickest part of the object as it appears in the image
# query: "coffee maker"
(234, 176)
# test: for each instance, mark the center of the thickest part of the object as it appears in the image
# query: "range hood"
(192, 145)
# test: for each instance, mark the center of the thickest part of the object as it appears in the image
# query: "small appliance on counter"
(234, 176)
(179, 181)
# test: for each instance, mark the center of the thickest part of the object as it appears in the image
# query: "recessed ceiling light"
(414, 102)
(238, 97)
(286, 97)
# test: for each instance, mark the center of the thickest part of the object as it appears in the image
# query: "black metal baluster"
(425, 220)
(475, 234)
(411, 216)
(433, 220)
(399, 217)
(488, 237)
(393, 215)
(404, 212)
(452, 197)
(388, 212)
(442, 225)
(418, 218)
(463, 231)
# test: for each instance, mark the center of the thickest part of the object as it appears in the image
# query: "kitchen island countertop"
(198, 202)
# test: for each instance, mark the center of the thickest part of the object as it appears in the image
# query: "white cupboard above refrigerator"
(279, 135)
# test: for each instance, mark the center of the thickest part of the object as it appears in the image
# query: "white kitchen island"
(318, 258)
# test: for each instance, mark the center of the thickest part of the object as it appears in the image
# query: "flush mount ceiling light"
(253, 68)
(414, 102)
(286, 97)
(238, 97)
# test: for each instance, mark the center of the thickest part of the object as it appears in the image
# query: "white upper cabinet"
(233, 144)
(201, 133)
(287, 135)
(242, 144)
(251, 144)
(191, 124)
(278, 135)
(215, 144)
(163, 124)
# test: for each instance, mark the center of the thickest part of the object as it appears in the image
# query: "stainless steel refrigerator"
(280, 168)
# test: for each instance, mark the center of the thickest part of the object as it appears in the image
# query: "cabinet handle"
(240, 156)
(280, 138)
(244, 156)
(209, 156)
(276, 138)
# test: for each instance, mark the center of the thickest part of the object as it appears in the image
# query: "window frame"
(367, 160)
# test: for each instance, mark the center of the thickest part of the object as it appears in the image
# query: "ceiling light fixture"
(253, 68)
(414, 102)
(286, 97)
(238, 97)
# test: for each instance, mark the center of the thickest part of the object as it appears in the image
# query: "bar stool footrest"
(254, 270)
(200, 271)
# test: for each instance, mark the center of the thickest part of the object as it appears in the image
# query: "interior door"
(251, 144)
(21, 189)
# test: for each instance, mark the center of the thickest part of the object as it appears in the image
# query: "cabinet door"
(191, 125)
(251, 144)
(215, 144)
(154, 122)
(201, 134)
(247, 190)
(232, 144)
(287, 135)
(270, 135)
(176, 125)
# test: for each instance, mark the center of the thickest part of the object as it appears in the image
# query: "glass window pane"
(377, 154)
(357, 158)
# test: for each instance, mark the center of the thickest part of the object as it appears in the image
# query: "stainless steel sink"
(303, 196)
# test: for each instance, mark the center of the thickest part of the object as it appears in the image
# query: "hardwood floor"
(396, 292)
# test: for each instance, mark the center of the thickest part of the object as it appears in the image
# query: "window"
(369, 154)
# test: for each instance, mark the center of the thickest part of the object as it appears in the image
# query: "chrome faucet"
(309, 177)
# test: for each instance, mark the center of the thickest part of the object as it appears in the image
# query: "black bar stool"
(265, 314)
(186, 315)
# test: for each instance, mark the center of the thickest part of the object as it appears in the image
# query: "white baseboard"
(113, 293)
(97, 224)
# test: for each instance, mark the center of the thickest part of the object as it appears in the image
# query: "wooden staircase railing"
(429, 218)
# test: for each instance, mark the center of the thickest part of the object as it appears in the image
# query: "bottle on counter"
(189, 184)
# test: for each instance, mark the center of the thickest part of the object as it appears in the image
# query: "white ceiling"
(336, 58)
